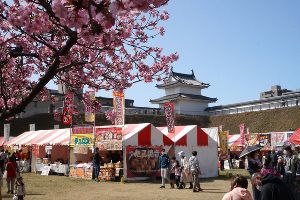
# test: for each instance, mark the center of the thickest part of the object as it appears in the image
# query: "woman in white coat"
(186, 175)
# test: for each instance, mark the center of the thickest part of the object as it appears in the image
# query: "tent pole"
(69, 154)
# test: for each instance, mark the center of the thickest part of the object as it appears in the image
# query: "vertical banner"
(6, 132)
(89, 109)
(242, 134)
(67, 110)
(169, 108)
(223, 138)
(31, 127)
(119, 107)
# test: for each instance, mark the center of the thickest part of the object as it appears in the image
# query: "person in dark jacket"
(272, 188)
(254, 166)
(164, 163)
(96, 164)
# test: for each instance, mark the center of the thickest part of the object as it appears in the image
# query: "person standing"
(254, 166)
(20, 188)
(186, 175)
(96, 165)
(289, 168)
(172, 172)
(3, 158)
(11, 168)
(164, 163)
(230, 157)
(195, 170)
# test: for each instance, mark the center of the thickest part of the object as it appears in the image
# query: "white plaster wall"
(183, 89)
(190, 107)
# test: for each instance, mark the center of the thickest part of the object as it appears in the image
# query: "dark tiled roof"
(188, 79)
(183, 95)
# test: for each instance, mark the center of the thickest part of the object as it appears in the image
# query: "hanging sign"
(89, 108)
(119, 107)
(67, 108)
(242, 134)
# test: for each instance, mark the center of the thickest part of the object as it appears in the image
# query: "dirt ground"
(63, 188)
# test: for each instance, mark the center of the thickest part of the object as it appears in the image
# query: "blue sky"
(240, 47)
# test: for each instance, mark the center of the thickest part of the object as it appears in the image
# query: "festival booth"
(192, 138)
(52, 144)
(131, 151)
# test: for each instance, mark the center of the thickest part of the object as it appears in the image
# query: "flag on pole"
(119, 107)
(67, 108)
(89, 109)
(170, 116)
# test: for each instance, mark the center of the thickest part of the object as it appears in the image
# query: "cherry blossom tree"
(102, 44)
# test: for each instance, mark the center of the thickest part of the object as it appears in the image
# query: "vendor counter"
(57, 168)
(108, 172)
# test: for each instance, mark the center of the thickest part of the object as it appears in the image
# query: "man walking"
(164, 163)
(96, 165)
(195, 170)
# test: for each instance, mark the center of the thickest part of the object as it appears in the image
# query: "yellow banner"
(223, 137)
(82, 139)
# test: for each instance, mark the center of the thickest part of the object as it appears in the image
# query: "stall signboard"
(82, 135)
(265, 141)
(277, 139)
(142, 161)
(81, 149)
(252, 139)
(223, 138)
(108, 138)
(82, 139)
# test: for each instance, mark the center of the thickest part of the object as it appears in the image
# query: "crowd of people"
(185, 171)
(9, 170)
(273, 176)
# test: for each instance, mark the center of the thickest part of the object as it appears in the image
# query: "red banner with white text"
(169, 108)
(68, 108)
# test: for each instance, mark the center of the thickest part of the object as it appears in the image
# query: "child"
(20, 188)
(239, 185)
(177, 174)
(172, 172)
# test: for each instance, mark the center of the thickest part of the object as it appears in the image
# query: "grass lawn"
(61, 187)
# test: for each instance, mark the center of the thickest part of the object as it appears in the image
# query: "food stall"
(34, 144)
(81, 147)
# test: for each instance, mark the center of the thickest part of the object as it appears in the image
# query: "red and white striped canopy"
(62, 136)
(183, 134)
(234, 140)
(42, 137)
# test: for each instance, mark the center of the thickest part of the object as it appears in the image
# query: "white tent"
(142, 144)
(192, 138)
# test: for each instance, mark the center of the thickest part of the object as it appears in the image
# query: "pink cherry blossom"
(100, 44)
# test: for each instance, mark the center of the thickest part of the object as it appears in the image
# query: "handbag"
(5, 174)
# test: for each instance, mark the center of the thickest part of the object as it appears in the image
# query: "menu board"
(108, 138)
(142, 161)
